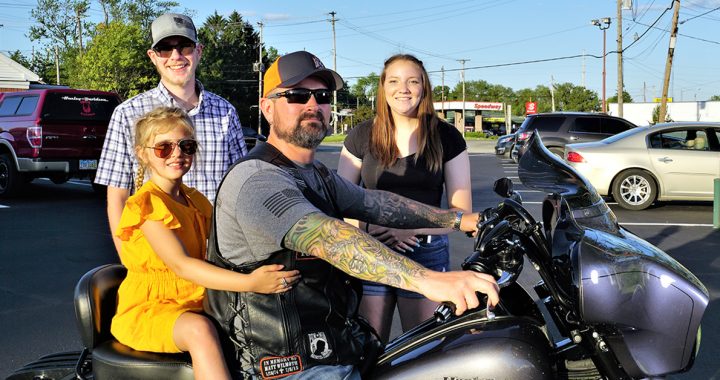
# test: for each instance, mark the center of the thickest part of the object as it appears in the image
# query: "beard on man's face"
(308, 132)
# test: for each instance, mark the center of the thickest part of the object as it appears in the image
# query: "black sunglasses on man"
(302, 95)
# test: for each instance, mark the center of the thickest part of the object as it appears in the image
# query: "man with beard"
(176, 53)
(279, 205)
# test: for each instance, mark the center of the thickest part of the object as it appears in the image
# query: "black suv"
(560, 128)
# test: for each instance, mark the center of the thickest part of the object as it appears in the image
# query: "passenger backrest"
(700, 143)
(96, 303)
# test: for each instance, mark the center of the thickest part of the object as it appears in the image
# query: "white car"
(671, 161)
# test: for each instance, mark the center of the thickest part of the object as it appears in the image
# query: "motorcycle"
(607, 305)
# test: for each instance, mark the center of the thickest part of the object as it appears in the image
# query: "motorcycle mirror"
(503, 187)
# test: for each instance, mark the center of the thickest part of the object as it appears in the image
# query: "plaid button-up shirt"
(217, 130)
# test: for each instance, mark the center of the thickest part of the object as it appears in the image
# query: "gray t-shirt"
(259, 202)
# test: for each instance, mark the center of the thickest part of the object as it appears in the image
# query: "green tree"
(715, 98)
(656, 115)
(626, 98)
(365, 87)
(569, 97)
(116, 60)
(61, 22)
(231, 49)
(143, 12)
(41, 64)
(523, 96)
(440, 93)
(362, 113)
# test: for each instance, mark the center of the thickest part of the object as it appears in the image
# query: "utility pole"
(583, 68)
(57, 66)
(79, 28)
(552, 92)
(335, 118)
(603, 24)
(620, 85)
(260, 71)
(462, 76)
(442, 89)
(668, 64)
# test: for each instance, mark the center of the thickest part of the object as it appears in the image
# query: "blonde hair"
(160, 120)
(382, 134)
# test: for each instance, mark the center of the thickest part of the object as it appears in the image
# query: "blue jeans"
(434, 255)
(327, 372)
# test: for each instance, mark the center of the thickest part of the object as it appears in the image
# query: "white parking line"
(669, 224)
(71, 182)
(81, 183)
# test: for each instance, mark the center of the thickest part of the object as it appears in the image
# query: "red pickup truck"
(54, 133)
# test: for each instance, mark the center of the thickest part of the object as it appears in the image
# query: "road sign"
(530, 108)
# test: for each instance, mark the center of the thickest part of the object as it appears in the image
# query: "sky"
(514, 43)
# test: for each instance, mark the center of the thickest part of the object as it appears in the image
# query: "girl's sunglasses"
(302, 95)
(165, 148)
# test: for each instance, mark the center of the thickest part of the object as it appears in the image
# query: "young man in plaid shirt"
(176, 53)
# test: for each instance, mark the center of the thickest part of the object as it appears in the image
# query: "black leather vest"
(275, 335)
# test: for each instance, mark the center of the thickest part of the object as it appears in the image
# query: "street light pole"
(462, 75)
(603, 24)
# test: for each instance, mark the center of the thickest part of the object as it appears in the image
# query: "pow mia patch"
(319, 346)
(273, 367)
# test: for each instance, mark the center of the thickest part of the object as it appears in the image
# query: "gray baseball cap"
(172, 24)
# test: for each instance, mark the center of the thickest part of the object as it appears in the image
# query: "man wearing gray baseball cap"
(176, 53)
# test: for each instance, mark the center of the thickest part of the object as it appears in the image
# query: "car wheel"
(10, 179)
(634, 189)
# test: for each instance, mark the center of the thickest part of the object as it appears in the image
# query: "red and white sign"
(530, 108)
(487, 106)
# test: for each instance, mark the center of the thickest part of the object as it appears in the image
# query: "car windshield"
(539, 169)
(622, 135)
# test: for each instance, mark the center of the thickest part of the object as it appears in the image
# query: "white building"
(641, 113)
(15, 77)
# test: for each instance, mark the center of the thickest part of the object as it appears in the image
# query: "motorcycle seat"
(95, 305)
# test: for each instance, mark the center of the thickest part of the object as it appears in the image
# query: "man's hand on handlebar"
(459, 288)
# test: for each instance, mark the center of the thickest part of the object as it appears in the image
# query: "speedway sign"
(479, 106)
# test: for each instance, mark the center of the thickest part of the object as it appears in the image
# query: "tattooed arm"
(358, 254)
(392, 210)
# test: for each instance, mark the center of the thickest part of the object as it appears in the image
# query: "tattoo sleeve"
(353, 251)
(392, 210)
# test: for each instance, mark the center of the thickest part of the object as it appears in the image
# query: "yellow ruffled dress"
(152, 297)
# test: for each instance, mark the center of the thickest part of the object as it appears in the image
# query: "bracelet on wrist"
(458, 220)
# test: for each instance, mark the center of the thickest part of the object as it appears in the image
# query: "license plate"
(88, 164)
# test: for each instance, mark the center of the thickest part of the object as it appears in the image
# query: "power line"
(680, 34)
(388, 41)
(700, 15)
(518, 63)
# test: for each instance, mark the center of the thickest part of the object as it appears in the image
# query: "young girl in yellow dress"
(164, 228)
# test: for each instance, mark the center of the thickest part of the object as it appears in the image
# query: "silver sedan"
(671, 161)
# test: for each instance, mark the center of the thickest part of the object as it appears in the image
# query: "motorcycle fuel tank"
(471, 347)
